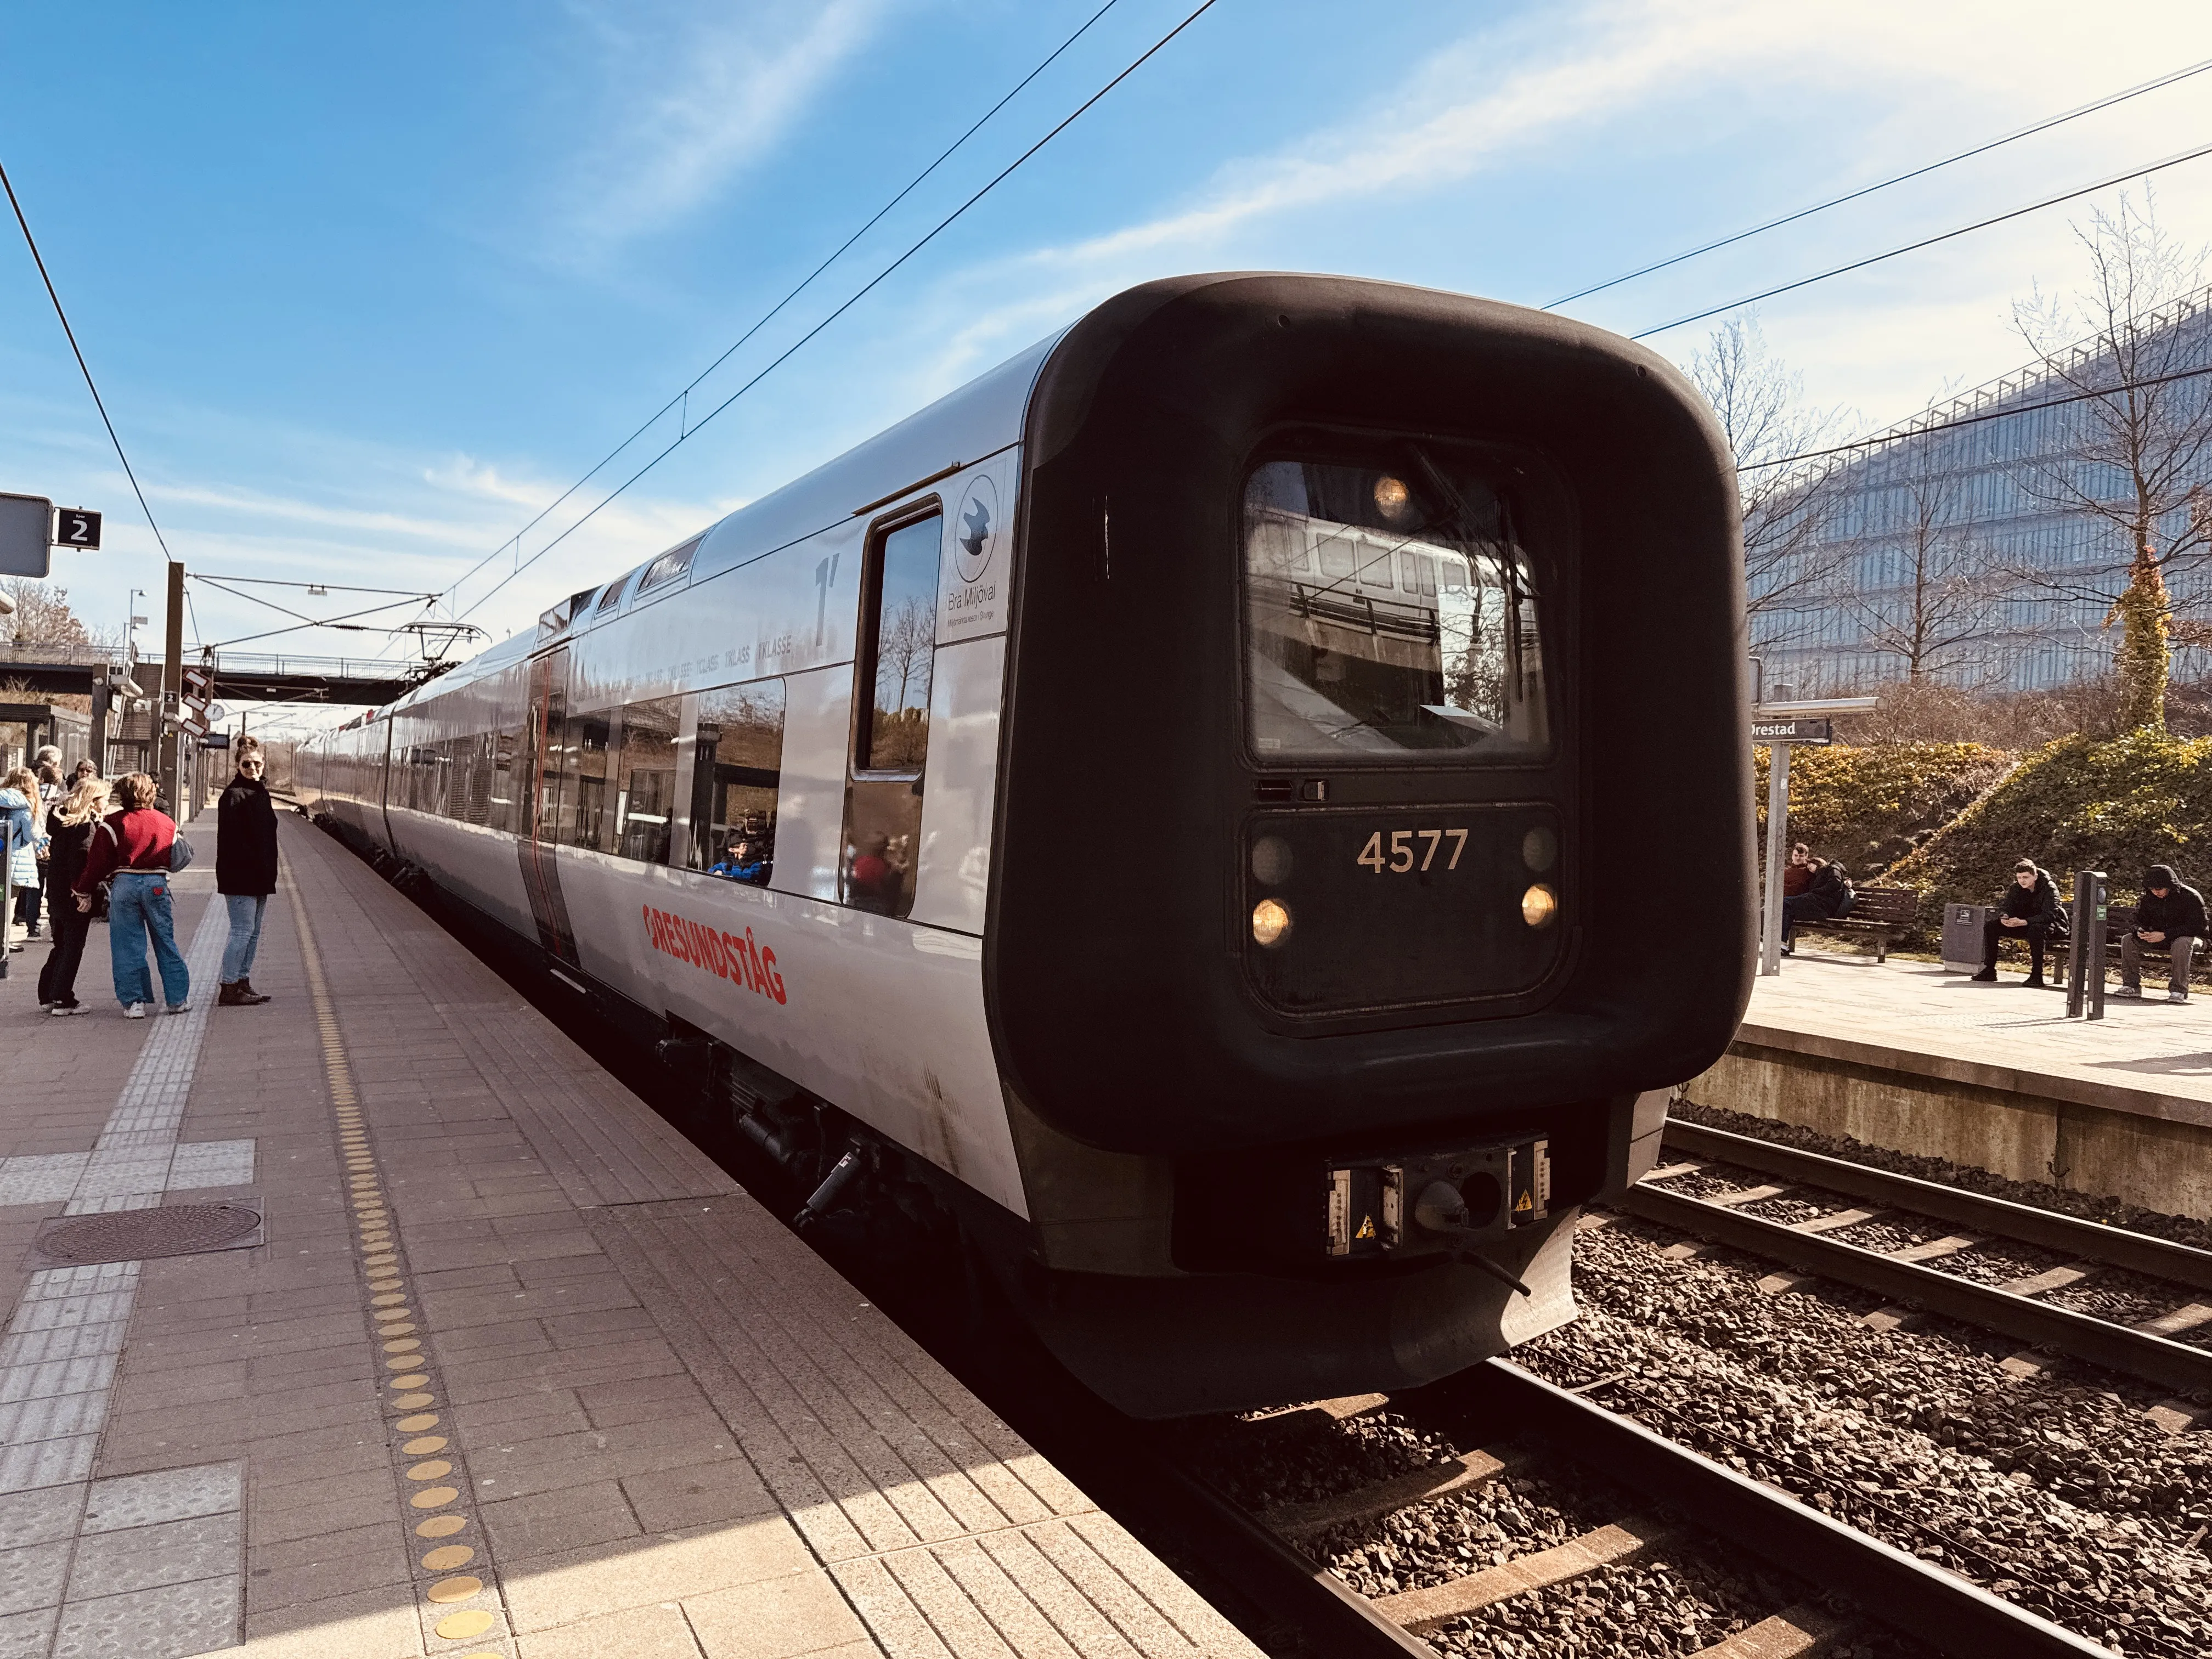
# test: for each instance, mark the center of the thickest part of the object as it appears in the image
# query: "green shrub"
(1869, 807)
(2118, 804)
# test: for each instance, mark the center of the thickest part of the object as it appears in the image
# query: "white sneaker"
(2177, 996)
(178, 1008)
(135, 1011)
(64, 1010)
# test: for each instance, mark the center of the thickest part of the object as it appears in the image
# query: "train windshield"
(1388, 608)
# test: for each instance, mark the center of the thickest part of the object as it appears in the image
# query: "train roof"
(960, 429)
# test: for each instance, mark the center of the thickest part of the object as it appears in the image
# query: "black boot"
(1987, 977)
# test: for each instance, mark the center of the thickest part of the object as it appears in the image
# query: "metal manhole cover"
(135, 1234)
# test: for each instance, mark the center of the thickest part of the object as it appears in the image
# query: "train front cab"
(1375, 673)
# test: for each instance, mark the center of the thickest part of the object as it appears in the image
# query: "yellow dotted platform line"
(457, 1606)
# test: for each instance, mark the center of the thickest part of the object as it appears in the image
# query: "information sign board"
(27, 535)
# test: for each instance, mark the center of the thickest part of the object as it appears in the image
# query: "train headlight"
(1393, 499)
(1271, 923)
(1538, 906)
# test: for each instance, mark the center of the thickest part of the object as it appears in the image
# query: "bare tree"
(43, 614)
(2134, 454)
(1937, 617)
(904, 648)
(1788, 561)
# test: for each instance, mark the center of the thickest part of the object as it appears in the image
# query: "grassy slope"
(2079, 803)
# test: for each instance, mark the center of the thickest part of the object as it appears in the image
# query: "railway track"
(2015, 1308)
(1688, 1501)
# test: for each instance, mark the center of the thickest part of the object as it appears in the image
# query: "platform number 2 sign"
(74, 526)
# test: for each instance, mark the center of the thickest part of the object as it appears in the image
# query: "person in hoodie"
(2169, 917)
(245, 871)
(2028, 912)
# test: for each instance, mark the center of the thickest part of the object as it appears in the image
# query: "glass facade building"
(1969, 497)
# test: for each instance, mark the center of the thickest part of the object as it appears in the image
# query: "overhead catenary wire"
(83, 368)
(869, 287)
(805, 282)
(2044, 125)
(1930, 242)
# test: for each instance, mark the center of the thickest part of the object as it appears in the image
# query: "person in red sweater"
(132, 846)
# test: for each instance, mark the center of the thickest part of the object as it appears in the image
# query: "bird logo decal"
(975, 534)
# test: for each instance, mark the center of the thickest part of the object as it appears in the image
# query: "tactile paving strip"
(457, 1590)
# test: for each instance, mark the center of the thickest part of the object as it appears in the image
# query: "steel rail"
(1269, 1568)
(1927, 1602)
(2159, 1258)
(2118, 1347)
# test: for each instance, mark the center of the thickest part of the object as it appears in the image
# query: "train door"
(539, 804)
(891, 714)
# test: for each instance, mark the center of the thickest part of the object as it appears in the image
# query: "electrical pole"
(171, 707)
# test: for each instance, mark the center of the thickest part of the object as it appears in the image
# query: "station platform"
(380, 1321)
(1916, 1057)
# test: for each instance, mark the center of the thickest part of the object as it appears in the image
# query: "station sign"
(77, 526)
(1793, 731)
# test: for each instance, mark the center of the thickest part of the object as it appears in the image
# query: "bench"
(1881, 914)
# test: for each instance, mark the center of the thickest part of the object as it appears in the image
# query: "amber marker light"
(1270, 922)
(1538, 906)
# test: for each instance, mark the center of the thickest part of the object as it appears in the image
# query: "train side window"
(645, 800)
(509, 744)
(891, 736)
(584, 815)
(669, 566)
(736, 765)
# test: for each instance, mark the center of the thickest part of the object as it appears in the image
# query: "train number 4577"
(1401, 855)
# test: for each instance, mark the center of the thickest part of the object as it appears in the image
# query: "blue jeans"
(245, 910)
(137, 910)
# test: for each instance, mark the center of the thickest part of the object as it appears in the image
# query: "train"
(1242, 812)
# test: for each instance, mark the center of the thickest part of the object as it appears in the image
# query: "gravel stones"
(2056, 1491)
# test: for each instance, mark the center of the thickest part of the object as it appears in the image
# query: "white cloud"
(691, 101)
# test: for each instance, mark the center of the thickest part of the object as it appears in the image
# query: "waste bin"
(1962, 936)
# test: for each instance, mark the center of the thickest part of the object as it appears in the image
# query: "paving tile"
(167, 1553)
(46, 1462)
(28, 1635)
(654, 1632)
(561, 1589)
(33, 1576)
(139, 1500)
(799, 1613)
(558, 1521)
(665, 1500)
(34, 1517)
(165, 1623)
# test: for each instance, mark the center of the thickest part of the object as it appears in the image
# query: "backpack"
(1850, 898)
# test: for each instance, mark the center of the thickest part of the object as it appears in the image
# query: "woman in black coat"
(245, 871)
(70, 822)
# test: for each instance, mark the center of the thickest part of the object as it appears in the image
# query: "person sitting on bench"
(1827, 896)
(2169, 917)
(2030, 907)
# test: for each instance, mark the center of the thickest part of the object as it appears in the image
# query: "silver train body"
(933, 792)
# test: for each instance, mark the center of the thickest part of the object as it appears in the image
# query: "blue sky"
(366, 290)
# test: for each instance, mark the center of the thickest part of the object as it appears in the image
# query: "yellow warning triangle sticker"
(1366, 1227)
(1522, 1203)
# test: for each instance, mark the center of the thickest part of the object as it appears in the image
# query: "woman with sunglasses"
(244, 871)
